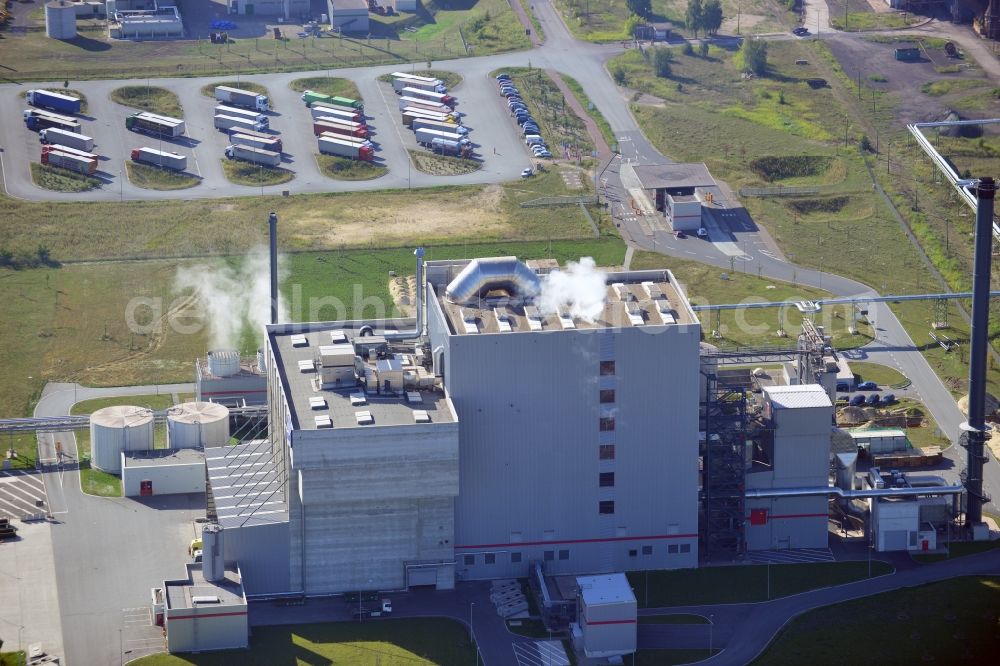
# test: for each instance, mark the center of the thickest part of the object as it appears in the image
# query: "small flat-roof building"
(606, 618)
(676, 190)
(349, 15)
(200, 614)
(287, 9)
(163, 472)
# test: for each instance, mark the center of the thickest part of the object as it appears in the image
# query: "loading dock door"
(416, 576)
(894, 540)
(145, 488)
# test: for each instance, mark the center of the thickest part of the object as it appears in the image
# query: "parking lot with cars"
(202, 146)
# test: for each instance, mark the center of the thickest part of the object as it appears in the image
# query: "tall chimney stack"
(272, 224)
(974, 429)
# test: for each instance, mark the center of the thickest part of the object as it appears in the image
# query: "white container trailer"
(428, 123)
(402, 80)
(254, 155)
(223, 110)
(331, 145)
(160, 158)
(342, 113)
(436, 97)
(426, 136)
(65, 138)
(423, 103)
(269, 143)
(234, 122)
(244, 98)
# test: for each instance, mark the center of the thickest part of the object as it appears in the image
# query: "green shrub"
(772, 168)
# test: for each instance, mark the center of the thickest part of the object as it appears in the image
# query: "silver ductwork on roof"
(854, 494)
(484, 275)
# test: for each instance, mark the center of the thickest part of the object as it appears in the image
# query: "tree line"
(705, 17)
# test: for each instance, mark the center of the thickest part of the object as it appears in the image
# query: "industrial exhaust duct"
(272, 228)
(481, 276)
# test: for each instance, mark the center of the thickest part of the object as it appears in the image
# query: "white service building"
(607, 621)
(349, 16)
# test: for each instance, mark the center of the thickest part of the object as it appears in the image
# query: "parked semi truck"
(430, 95)
(257, 141)
(155, 124)
(309, 97)
(160, 158)
(62, 137)
(427, 123)
(256, 155)
(345, 147)
(38, 120)
(446, 147)
(422, 102)
(373, 609)
(409, 113)
(426, 136)
(259, 135)
(328, 125)
(244, 98)
(47, 99)
(319, 110)
(350, 139)
(227, 123)
(401, 80)
(257, 117)
(74, 161)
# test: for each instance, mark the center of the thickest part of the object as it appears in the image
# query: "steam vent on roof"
(493, 276)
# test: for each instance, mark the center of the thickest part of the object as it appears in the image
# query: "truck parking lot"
(202, 147)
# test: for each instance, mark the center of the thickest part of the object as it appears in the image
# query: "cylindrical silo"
(116, 429)
(60, 19)
(197, 424)
(224, 362)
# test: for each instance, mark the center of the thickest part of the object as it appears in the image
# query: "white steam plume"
(579, 288)
(234, 299)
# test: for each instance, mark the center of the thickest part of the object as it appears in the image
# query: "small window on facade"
(672, 549)
(606, 506)
(491, 558)
(607, 368)
(470, 560)
(606, 479)
(607, 424)
(549, 555)
(647, 550)
(607, 396)
(685, 548)
(515, 558)
(563, 554)
(632, 552)
(607, 452)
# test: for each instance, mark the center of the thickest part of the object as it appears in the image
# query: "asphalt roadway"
(94, 596)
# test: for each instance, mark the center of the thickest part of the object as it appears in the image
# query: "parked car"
(543, 153)
(702, 232)
(867, 386)
(843, 387)
(680, 234)
(888, 399)
(857, 400)
(873, 399)
(526, 173)
(801, 31)
(503, 76)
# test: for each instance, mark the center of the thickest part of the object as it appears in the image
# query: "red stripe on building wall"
(566, 541)
(198, 617)
(594, 624)
(234, 392)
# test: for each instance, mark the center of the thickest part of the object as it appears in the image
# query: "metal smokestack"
(272, 226)
(974, 430)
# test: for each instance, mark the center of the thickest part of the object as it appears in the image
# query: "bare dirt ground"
(905, 80)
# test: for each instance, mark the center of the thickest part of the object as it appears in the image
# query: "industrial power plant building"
(509, 434)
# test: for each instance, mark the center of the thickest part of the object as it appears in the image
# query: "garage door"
(421, 576)
(894, 540)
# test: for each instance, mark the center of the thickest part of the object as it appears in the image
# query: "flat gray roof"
(163, 457)
(180, 593)
(662, 176)
(342, 5)
(340, 404)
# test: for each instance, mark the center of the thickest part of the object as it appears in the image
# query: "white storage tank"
(197, 424)
(60, 19)
(224, 362)
(116, 429)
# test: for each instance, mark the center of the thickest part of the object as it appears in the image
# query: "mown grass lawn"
(59, 179)
(149, 98)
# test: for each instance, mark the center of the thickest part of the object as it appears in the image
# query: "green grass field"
(344, 168)
(380, 643)
(682, 618)
(882, 375)
(149, 98)
(742, 584)
(448, 79)
(328, 85)
(19, 658)
(442, 165)
(25, 445)
(592, 110)
(255, 175)
(208, 90)
(58, 179)
(950, 622)
(156, 178)
(668, 657)
(958, 549)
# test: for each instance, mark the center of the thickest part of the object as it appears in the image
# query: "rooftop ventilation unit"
(566, 320)
(358, 399)
(205, 599)
(338, 337)
(307, 365)
(469, 321)
(364, 417)
(653, 290)
(534, 317)
(634, 314)
(482, 276)
(503, 321)
(323, 421)
(299, 340)
(414, 397)
(421, 416)
(317, 402)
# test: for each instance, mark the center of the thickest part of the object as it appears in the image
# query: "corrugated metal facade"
(262, 554)
(530, 448)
